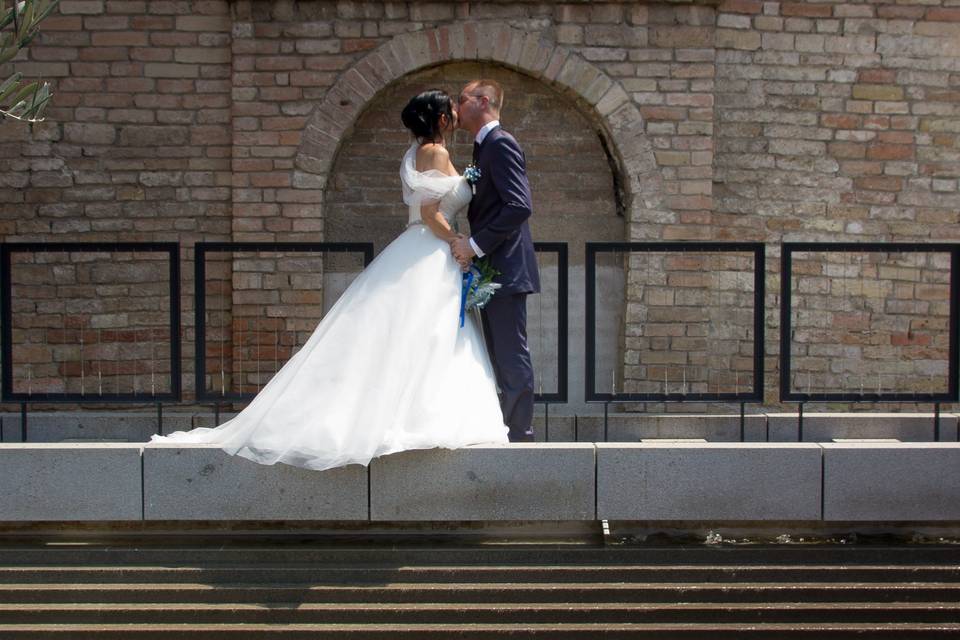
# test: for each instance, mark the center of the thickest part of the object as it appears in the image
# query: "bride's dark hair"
(422, 114)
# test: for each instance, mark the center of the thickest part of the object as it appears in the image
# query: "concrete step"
(427, 552)
(473, 613)
(488, 593)
(482, 631)
(476, 574)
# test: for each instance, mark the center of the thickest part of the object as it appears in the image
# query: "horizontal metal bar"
(868, 397)
(91, 247)
(868, 247)
(278, 247)
(674, 397)
(76, 397)
(670, 247)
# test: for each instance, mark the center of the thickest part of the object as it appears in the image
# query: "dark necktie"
(476, 152)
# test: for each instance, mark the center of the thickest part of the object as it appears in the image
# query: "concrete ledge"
(70, 482)
(651, 481)
(714, 481)
(633, 427)
(915, 481)
(511, 482)
(202, 482)
(138, 426)
(824, 427)
(91, 426)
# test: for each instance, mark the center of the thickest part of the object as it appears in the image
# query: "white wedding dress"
(388, 369)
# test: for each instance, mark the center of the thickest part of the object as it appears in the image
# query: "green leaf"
(48, 10)
(9, 86)
(8, 17)
(8, 53)
(27, 23)
(23, 93)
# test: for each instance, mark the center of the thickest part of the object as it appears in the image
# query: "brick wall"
(765, 121)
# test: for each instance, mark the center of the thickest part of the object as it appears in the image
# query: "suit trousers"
(505, 331)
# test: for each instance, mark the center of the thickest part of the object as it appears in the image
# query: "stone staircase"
(436, 590)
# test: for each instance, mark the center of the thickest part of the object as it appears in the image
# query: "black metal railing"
(560, 392)
(10, 394)
(747, 389)
(750, 393)
(788, 393)
(203, 249)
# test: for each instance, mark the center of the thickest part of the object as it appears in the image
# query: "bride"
(389, 368)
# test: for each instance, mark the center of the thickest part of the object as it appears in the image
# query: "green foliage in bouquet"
(483, 287)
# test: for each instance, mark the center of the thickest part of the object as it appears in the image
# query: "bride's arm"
(435, 157)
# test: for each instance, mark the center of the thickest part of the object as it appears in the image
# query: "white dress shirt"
(484, 130)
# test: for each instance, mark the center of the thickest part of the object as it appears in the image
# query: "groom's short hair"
(491, 89)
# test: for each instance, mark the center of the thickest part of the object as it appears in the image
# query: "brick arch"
(523, 51)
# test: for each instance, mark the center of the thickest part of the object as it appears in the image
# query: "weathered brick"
(84, 7)
(736, 39)
(806, 9)
(431, 11)
(204, 23)
(890, 152)
(741, 6)
(171, 70)
(203, 55)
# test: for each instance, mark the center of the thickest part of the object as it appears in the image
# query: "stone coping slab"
(711, 481)
(523, 481)
(891, 481)
(651, 481)
(203, 482)
(70, 482)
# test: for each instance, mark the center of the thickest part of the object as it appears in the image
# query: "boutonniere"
(472, 174)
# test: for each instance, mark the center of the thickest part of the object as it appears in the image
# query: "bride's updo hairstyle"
(422, 114)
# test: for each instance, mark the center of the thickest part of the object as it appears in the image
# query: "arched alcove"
(593, 173)
(573, 182)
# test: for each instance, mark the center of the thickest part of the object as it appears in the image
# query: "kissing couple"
(391, 367)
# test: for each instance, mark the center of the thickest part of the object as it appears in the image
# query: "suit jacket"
(499, 211)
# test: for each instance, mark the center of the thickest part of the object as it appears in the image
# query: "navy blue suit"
(498, 217)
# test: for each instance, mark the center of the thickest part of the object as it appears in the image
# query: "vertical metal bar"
(175, 382)
(800, 424)
(606, 430)
(759, 318)
(6, 313)
(23, 422)
(546, 422)
(160, 418)
(743, 421)
(936, 422)
(199, 319)
(563, 336)
(785, 270)
(953, 375)
(591, 337)
(216, 413)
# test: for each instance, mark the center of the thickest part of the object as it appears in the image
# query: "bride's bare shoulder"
(434, 156)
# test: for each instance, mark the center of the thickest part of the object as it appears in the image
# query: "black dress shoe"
(521, 437)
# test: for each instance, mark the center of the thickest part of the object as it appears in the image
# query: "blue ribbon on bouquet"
(464, 290)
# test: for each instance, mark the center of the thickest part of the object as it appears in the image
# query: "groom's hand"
(462, 251)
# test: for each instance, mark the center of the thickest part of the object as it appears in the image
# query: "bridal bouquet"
(478, 286)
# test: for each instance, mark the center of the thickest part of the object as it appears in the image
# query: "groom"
(498, 216)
